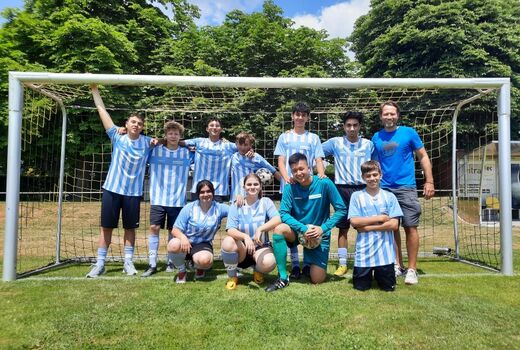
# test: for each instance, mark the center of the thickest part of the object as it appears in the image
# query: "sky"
(335, 16)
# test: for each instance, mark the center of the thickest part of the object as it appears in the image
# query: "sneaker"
(342, 270)
(150, 271)
(169, 267)
(278, 284)
(411, 277)
(200, 274)
(258, 277)
(96, 271)
(399, 271)
(295, 273)
(129, 268)
(306, 271)
(231, 283)
(190, 266)
(181, 277)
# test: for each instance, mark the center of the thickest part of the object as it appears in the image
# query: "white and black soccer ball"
(309, 243)
(265, 176)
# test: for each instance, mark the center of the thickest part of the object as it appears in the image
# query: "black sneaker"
(150, 271)
(306, 271)
(278, 284)
(295, 273)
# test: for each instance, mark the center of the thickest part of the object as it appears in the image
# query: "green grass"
(454, 306)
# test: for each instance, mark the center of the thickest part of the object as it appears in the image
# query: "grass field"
(455, 305)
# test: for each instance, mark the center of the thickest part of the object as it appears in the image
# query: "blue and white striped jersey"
(348, 158)
(169, 176)
(374, 248)
(248, 218)
(213, 163)
(199, 226)
(126, 172)
(290, 142)
(241, 166)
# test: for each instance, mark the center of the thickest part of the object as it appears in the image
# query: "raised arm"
(103, 114)
(426, 165)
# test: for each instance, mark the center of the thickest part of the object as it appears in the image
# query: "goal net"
(65, 152)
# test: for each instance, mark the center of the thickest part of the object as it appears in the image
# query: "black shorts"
(249, 259)
(112, 204)
(199, 247)
(384, 275)
(160, 214)
(345, 191)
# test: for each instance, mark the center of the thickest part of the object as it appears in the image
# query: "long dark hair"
(203, 183)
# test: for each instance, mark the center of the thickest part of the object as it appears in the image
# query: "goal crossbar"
(16, 91)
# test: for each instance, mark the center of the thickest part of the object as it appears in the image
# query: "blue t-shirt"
(199, 226)
(301, 205)
(395, 152)
(248, 218)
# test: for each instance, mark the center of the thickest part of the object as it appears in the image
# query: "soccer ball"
(309, 243)
(265, 176)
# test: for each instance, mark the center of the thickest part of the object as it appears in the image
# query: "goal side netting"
(59, 153)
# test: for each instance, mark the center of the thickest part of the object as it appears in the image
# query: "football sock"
(295, 258)
(280, 254)
(230, 260)
(153, 247)
(101, 256)
(178, 261)
(129, 253)
(342, 256)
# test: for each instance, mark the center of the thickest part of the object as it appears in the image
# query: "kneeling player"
(375, 214)
(305, 213)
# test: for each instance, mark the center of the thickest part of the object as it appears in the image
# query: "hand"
(258, 237)
(322, 176)
(121, 130)
(250, 153)
(290, 180)
(239, 200)
(94, 88)
(154, 142)
(383, 218)
(313, 231)
(250, 246)
(428, 190)
(185, 245)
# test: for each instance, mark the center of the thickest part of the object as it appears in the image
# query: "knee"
(203, 260)
(282, 229)
(154, 229)
(174, 245)
(265, 262)
(229, 244)
(318, 275)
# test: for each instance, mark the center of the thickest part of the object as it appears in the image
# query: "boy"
(349, 151)
(241, 165)
(123, 185)
(298, 140)
(375, 214)
(169, 167)
(305, 211)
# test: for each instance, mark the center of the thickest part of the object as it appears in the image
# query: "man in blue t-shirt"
(395, 148)
(305, 214)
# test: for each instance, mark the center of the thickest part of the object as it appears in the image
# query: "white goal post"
(19, 80)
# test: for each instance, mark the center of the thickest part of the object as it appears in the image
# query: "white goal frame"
(16, 93)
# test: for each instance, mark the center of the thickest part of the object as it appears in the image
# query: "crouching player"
(247, 227)
(375, 214)
(305, 214)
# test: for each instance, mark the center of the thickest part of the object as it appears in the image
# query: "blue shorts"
(160, 214)
(345, 191)
(409, 203)
(318, 256)
(384, 275)
(112, 204)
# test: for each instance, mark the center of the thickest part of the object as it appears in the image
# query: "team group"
(374, 192)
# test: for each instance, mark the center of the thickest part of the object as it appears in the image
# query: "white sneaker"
(399, 271)
(169, 267)
(96, 271)
(411, 277)
(129, 268)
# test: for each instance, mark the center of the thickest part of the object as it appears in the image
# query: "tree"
(434, 38)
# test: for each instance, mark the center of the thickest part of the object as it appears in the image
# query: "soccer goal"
(58, 153)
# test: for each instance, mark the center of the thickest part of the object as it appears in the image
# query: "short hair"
(137, 115)
(173, 125)
(213, 119)
(302, 107)
(389, 103)
(203, 183)
(296, 157)
(353, 115)
(370, 165)
(243, 137)
(259, 180)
